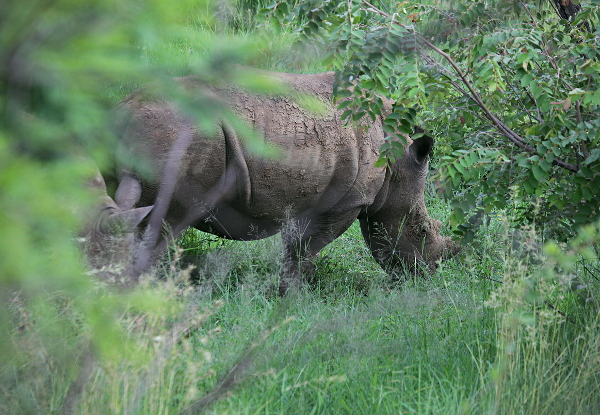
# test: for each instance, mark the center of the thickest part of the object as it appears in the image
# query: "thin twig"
(86, 368)
(562, 314)
(234, 374)
(529, 13)
(540, 117)
(590, 272)
(163, 201)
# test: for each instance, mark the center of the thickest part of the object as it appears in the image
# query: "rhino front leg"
(303, 239)
(395, 258)
(418, 248)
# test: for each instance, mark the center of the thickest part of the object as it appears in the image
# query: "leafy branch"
(474, 96)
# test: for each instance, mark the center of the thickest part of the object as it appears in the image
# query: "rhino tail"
(236, 167)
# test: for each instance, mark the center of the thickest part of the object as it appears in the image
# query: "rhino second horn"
(129, 191)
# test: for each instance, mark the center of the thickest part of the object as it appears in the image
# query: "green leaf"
(368, 84)
(413, 92)
(587, 193)
(459, 167)
(344, 93)
(594, 155)
(411, 82)
(381, 162)
(389, 56)
(471, 199)
(382, 78)
(385, 71)
(397, 151)
(404, 129)
(538, 173)
(536, 90)
(387, 128)
(344, 104)
(545, 164)
(576, 92)
(346, 114)
(528, 187)
(357, 115)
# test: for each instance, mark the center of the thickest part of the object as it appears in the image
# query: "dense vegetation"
(511, 326)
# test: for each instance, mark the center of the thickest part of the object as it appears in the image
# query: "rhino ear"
(131, 218)
(125, 221)
(421, 146)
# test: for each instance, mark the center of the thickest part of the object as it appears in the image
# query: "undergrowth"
(496, 330)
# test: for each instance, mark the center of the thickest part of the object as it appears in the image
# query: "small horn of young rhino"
(324, 179)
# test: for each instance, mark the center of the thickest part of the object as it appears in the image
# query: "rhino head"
(109, 234)
(398, 229)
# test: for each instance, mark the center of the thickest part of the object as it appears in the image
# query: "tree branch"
(529, 13)
(503, 128)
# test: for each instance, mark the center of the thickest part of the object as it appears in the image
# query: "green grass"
(353, 342)
(382, 353)
(357, 343)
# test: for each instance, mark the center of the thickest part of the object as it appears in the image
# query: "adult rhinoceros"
(323, 179)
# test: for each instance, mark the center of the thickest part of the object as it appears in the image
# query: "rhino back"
(323, 164)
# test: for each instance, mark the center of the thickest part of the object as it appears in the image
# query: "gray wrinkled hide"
(323, 180)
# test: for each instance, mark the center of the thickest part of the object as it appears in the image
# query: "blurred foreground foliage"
(62, 62)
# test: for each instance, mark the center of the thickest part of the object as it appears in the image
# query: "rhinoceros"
(322, 178)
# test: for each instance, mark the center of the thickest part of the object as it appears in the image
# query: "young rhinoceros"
(323, 179)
